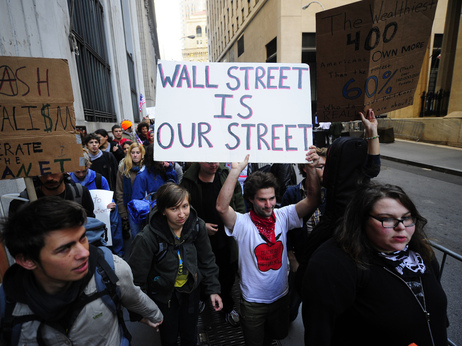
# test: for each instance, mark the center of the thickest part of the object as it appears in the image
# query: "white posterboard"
(101, 198)
(219, 112)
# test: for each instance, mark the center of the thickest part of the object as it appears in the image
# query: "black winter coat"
(346, 306)
(154, 259)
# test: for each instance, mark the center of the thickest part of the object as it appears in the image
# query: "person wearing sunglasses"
(376, 282)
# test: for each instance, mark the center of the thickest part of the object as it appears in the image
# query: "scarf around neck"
(97, 156)
(405, 262)
(265, 226)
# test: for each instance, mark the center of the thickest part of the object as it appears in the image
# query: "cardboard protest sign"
(219, 112)
(37, 123)
(101, 198)
(369, 54)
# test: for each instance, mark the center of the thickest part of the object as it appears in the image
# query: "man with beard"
(261, 237)
(59, 185)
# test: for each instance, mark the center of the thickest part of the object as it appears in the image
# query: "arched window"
(198, 31)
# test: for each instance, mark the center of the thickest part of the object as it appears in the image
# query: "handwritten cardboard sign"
(101, 198)
(219, 112)
(369, 54)
(37, 121)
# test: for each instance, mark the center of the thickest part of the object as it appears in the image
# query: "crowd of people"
(351, 251)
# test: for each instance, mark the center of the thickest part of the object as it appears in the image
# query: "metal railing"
(434, 103)
(446, 252)
(406, 129)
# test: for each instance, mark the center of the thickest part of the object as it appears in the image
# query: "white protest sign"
(101, 198)
(211, 112)
(151, 112)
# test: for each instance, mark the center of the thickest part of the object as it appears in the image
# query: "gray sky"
(168, 15)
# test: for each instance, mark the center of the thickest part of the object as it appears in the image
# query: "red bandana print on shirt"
(269, 254)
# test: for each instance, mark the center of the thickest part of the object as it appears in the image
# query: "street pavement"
(436, 157)
(440, 158)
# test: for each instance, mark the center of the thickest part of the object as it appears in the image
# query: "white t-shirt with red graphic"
(263, 268)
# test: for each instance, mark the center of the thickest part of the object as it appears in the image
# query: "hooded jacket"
(96, 324)
(154, 259)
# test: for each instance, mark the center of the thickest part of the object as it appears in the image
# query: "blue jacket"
(116, 221)
(90, 182)
(147, 182)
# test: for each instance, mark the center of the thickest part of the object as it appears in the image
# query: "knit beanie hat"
(126, 124)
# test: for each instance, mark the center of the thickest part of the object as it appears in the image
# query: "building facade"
(111, 48)
(195, 35)
(285, 32)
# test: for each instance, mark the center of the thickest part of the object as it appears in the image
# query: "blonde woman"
(129, 167)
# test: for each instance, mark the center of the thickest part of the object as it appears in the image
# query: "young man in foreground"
(55, 273)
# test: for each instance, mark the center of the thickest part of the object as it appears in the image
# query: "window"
(92, 63)
(435, 62)
(271, 50)
(309, 57)
(240, 46)
(198, 31)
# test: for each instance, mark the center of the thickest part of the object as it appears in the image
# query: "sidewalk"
(436, 157)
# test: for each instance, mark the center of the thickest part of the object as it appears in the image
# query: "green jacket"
(155, 263)
(191, 182)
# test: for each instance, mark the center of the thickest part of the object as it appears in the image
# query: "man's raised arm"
(308, 205)
(227, 214)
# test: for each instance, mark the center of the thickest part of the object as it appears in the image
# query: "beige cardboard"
(37, 121)
(369, 54)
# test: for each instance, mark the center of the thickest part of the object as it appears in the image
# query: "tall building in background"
(194, 21)
(285, 32)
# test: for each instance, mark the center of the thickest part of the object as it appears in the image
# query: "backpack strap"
(106, 280)
(10, 327)
(98, 180)
(77, 192)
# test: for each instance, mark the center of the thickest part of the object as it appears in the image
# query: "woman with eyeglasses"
(376, 282)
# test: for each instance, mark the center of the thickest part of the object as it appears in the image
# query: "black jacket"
(347, 306)
(154, 259)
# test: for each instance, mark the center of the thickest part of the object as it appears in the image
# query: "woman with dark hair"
(155, 175)
(170, 258)
(377, 280)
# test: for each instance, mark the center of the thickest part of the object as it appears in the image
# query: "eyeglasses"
(391, 222)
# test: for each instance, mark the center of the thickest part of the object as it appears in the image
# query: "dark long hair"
(351, 234)
(152, 166)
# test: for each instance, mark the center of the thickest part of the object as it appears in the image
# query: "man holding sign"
(261, 236)
(60, 185)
